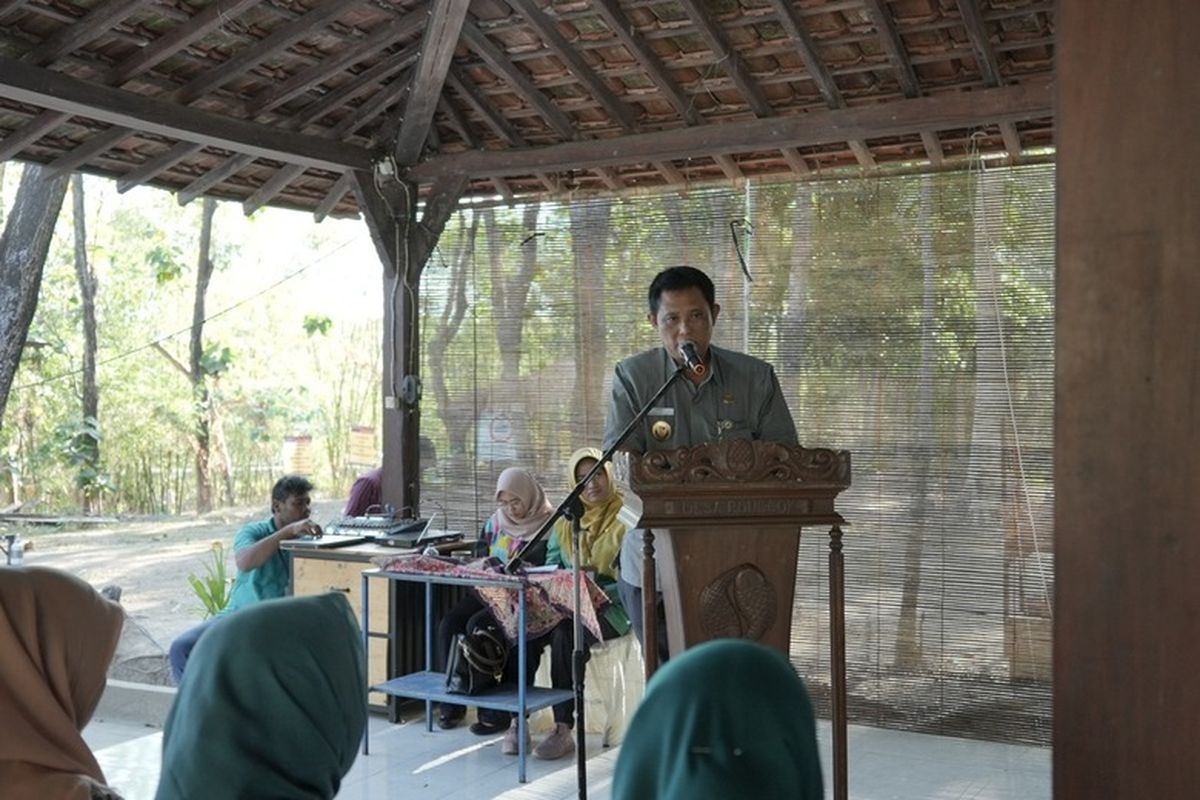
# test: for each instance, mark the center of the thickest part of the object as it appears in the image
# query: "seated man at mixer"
(263, 566)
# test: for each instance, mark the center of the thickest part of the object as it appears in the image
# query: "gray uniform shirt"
(740, 398)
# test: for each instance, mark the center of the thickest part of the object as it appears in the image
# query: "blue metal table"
(430, 686)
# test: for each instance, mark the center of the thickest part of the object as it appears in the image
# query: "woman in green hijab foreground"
(727, 719)
(273, 704)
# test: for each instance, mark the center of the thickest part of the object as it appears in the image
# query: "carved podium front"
(725, 518)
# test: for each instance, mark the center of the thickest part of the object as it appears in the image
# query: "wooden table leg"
(649, 605)
(837, 662)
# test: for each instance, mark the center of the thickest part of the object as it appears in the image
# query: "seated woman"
(728, 718)
(275, 705)
(521, 509)
(601, 536)
(57, 637)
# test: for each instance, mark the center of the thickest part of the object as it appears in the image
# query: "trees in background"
(28, 228)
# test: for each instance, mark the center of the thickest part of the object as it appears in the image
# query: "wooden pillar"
(1127, 407)
(404, 245)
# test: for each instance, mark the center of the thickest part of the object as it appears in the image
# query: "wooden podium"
(726, 518)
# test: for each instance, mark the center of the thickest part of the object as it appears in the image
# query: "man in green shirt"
(263, 567)
(736, 397)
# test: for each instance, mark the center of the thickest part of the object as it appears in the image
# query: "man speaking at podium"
(727, 395)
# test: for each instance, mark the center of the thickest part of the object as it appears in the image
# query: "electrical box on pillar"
(410, 390)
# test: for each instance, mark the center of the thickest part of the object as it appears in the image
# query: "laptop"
(418, 533)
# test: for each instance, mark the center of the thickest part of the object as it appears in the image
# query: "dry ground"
(150, 558)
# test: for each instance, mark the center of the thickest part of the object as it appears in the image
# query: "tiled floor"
(407, 761)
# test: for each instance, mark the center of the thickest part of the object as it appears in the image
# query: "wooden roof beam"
(789, 20)
(30, 132)
(282, 37)
(204, 22)
(885, 26)
(989, 68)
(547, 29)
(95, 22)
(474, 98)
(460, 124)
(211, 178)
(271, 187)
(56, 91)
(336, 193)
(389, 65)
(1033, 100)
(445, 22)
(620, 111)
(275, 42)
(521, 83)
(616, 20)
(160, 163)
(727, 55)
(354, 52)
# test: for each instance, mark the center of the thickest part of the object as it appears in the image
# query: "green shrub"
(213, 588)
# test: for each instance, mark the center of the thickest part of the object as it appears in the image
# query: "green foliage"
(314, 324)
(213, 589)
(78, 445)
(215, 359)
(166, 261)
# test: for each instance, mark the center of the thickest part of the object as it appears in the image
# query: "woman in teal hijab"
(727, 719)
(273, 704)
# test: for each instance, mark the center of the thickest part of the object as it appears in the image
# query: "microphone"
(691, 359)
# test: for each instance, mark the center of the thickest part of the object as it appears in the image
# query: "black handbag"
(476, 661)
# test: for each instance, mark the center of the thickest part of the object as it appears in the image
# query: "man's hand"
(301, 527)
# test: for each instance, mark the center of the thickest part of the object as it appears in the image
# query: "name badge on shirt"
(661, 429)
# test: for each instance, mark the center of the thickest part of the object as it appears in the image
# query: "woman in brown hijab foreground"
(57, 637)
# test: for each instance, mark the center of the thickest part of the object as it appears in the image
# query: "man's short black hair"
(290, 486)
(672, 279)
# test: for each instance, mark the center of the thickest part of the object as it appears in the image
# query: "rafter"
(474, 98)
(307, 78)
(336, 193)
(989, 68)
(885, 26)
(499, 63)
(94, 146)
(547, 29)
(728, 57)
(342, 95)
(459, 123)
(94, 23)
(1027, 101)
(211, 178)
(445, 22)
(58, 92)
(279, 39)
(204, 22)
(271, 187)
(30, 132)
(616, 20)
(160, 163)
(881, 18)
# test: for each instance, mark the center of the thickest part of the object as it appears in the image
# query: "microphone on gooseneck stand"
(691, 359)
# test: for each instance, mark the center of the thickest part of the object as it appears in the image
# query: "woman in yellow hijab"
(601, 535)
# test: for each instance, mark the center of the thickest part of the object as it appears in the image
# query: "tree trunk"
(795, 299)
(23, 249)
(908, 642)
(89, 392)
(589, 241)
(200, 393)
(457, 417)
